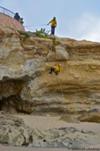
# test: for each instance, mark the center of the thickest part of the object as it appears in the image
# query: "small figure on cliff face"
(56, 69)
(53, 24)
(17, 17)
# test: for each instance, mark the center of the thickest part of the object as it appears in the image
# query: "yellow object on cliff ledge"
(55, 69)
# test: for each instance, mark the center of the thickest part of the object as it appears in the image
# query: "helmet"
(54, 17)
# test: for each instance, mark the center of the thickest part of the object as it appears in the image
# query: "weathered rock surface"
(59, 54)
(26, 85)
(14, 132)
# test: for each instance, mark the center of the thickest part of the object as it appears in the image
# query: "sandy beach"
(5, 148)
(50, 122)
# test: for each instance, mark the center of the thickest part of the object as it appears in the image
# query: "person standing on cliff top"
(53, 24)
(16, 16)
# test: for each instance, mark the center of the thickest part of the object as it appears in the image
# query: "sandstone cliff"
(26, 85)
(25, 82)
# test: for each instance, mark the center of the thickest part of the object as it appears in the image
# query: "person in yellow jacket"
(56, 69)
(53, 24)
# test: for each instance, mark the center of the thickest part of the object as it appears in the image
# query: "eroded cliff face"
(26, 85)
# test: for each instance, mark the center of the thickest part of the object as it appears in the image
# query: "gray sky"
(79, 19)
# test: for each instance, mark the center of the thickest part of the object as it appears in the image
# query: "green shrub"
(42, 33)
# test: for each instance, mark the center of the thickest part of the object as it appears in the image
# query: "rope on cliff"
(62, 94)
(56, 70)
(35, 26)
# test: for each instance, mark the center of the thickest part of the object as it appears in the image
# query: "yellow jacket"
(53, 22)
(58, 68)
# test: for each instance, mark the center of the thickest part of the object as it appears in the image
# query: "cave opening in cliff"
(10, 94)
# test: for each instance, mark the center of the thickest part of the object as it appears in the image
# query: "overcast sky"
(79, 19)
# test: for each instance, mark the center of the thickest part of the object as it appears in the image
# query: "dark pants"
(53, 70)
(52, 30)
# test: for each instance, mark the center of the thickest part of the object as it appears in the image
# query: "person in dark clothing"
(17, 17)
